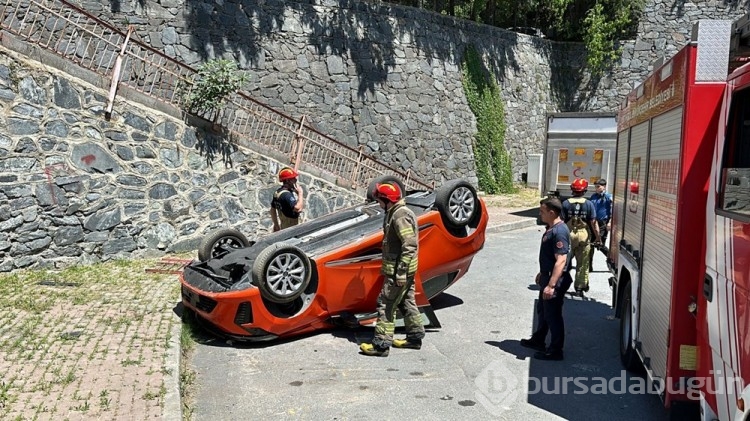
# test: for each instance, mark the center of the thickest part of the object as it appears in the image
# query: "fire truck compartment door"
(662, 179)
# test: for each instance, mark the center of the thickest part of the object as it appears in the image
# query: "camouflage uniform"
(400, 247)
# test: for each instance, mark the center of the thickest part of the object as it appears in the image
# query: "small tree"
(215, 80)
(605, 24)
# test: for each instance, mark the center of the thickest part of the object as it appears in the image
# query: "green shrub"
(493, 165)
(600, 24)
(215, 80)
(604, 28)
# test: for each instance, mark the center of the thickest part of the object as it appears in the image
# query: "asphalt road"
(471, 368)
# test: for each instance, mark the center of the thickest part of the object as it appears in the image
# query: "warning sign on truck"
(586, 164)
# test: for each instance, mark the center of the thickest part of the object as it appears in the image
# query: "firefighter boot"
(407, 343)
(372, 350)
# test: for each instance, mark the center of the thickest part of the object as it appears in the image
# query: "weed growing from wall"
(214, 82)
(493, 165)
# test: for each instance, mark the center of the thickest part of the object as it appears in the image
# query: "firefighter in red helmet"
(400, 250)
(288, 201)
(579, 214)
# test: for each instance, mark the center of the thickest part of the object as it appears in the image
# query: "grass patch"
(150, 395)
(5, 397)
(188, 338)
(524, 197)
(104, 399)
(83, 407)
(129, 362)
(68, 379)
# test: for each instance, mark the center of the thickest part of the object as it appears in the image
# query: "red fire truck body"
(680, 237)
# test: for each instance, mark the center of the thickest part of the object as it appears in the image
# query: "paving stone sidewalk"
(93, 342)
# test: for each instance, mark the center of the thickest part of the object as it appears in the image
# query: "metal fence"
(80, 37)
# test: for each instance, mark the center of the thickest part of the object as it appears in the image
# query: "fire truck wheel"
(628, 355)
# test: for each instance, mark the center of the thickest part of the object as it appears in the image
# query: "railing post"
(298, 144)
(116, 73)
(357, 166)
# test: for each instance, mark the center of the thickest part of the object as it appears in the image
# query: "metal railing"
(67, 30)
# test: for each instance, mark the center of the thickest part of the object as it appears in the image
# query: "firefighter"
(602, 201)
(400, 250)
(553, 280)
(579, 215)
(288, 201)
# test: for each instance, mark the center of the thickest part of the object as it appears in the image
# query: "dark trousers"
(603, 232)
(550, 320)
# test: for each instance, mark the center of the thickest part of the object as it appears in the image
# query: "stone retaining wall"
(389, 77)
(77, 188)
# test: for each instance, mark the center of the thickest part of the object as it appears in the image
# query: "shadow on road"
(528, 213)
(589, 375)
(445, 300)
(512, 346)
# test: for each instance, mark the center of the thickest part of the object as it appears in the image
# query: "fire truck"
(680, 242)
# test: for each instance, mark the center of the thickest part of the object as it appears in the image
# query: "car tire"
(628, 356)
(384, 179)
(220, 242)
(458, 203)
(282, 273)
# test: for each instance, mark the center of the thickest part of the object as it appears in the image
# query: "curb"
(172, 401)
(510, 226)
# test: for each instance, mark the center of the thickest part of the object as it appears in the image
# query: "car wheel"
(281, 272)
(380, 180)
(220, 242)
(628, 356)
(457, 202)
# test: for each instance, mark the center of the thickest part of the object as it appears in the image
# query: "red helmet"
(287, 173)
(388, 191)
(579, 185)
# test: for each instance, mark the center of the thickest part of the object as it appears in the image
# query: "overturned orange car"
(325, 272)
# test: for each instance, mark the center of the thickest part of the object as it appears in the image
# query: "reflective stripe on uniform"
(385, 328)
(389, 267)
(410, 264)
